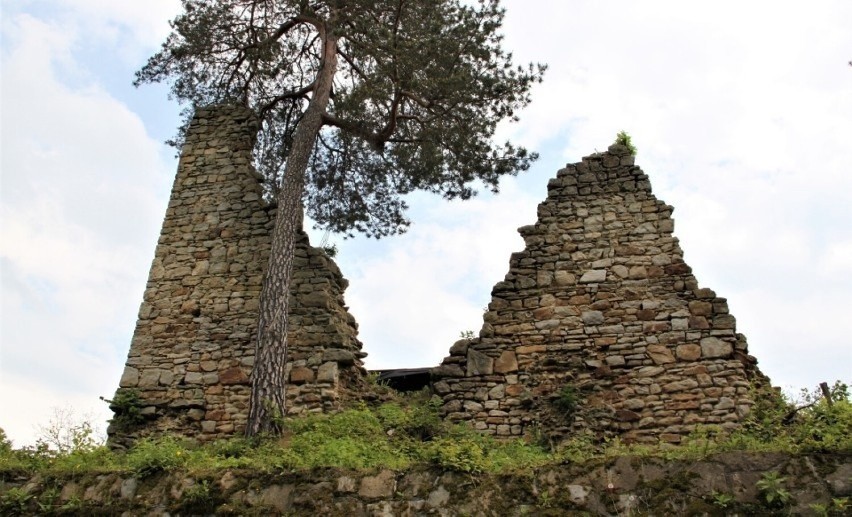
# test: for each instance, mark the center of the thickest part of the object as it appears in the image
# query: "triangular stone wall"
(193, 348)
(600, 327)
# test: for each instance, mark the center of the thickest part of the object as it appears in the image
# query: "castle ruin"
(194, 343)
(599, 326)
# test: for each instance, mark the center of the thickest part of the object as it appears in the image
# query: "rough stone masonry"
(600, 326)
(193, 347)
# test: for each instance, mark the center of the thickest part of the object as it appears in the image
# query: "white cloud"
(413, 295)
(740, 111)
(741, 115)
(84, 189)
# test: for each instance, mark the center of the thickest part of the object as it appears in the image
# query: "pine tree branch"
(301, 92)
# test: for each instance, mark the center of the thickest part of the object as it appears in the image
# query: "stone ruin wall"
(601, 304)
(193, 348)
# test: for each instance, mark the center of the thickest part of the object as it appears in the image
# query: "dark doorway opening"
(405, 379)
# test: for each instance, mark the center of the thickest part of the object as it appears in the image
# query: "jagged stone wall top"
(600, 326)
(193, 347)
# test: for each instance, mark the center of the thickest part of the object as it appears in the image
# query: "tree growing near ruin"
(360, 102)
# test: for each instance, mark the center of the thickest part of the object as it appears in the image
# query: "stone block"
(346, 485)
(460, 347)
(530, 349)
(682, 385)
(712, 347)
(342, 357)
(301, 375)
(514, 390)
(615, 360)
(193, 378)
(278, 497)
(448, 370)
(438, 497)
(593, 276)
(380, 486)
(506, 363)
(472, 407)
(544, 278)
(700, 308)
(564, 278)
(624, 415)
(479, 363)
(547, 324)
(688, 352)
(660, 354)
(234, 375)
(578, 494)
(166, 378)
(129, 378)
(698, 323)
(649, 371)
(593, 317)
(149, 378)
(497, 392)
(328, 372)
(620, 271)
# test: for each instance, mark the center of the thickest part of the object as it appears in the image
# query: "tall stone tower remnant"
(193, 348)
(600, 326)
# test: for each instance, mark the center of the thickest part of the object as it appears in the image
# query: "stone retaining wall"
(726, 484)
(193, 348)
(600, 326)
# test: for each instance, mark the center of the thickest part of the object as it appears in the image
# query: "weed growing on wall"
(567, 400)
(772, 490)
(127, 406)
(622, 138)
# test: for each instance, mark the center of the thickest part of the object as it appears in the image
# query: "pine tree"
(360, 103)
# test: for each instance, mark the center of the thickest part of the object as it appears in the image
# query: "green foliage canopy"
(418, 90)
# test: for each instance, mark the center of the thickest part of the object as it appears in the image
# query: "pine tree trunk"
(266, 406)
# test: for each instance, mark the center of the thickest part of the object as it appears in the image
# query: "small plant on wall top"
(622, 138)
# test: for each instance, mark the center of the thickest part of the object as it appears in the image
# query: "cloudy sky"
(742, 113)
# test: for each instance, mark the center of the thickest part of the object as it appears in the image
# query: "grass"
(409, 432)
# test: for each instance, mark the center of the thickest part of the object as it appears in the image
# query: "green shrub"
(824, 427)
(150, 455)
(199, 499)
(236, 447)
(5, 444)
(15, 501)
(516, 455)
(567, 400)
(127, 406)
(772, 491)
(722, 500)
(48, 499)
(459, 454)
(350, 439)
(98, 459)
(622, 138)
(418, 421)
